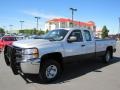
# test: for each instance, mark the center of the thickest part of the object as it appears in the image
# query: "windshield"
(55, 35)
(9, 38)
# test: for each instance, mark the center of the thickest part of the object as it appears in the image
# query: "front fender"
(51, 49)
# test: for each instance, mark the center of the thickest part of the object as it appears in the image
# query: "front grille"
(11, 54)
(8, 51)
(14, 54)
(18, 54)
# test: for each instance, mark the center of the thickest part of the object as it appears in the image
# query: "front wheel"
(50, 70)
(108, 56)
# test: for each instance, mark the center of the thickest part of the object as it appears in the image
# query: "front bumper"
(30, 66)
(20, 64)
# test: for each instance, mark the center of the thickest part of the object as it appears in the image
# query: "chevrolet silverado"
(46, 56)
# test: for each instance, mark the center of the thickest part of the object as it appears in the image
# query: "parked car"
(6, 40)
(20, 37)
(34, 37)
(46, 56)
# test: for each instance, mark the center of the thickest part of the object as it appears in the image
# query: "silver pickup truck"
(46, 56)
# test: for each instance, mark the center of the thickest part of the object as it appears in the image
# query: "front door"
(74, 49)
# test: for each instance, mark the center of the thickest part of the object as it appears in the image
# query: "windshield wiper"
(48, 38)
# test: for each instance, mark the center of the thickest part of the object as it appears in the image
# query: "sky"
(102, 12)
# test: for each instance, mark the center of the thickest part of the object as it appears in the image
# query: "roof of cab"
(81, 28)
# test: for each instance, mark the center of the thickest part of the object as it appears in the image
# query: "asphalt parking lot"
(85, 75)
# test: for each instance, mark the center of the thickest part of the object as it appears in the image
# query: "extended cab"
(46, 56)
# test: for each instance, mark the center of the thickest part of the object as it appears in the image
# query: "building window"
(63, 25)
(71, 24)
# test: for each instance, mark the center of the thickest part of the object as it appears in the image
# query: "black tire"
(6, 58)
(108, 56)
(44, 70)
(13, 67)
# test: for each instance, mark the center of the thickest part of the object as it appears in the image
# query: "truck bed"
(101, 44)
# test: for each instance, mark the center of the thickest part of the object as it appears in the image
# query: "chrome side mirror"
(72, 39)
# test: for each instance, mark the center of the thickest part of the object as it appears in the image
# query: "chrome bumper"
(18, 63)
(30, 66)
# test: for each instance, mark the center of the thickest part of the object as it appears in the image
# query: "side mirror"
(72, 39)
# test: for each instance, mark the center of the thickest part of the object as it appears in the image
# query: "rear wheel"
(108, 56)
(50, 70)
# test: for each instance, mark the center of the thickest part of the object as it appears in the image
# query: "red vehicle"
(6, 40)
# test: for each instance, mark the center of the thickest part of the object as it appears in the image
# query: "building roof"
(90, 23)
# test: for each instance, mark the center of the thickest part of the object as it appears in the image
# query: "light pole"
(21, 22)
(73, 9)
(37, 18)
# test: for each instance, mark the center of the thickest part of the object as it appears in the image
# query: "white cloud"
(44, 17)
(40, 14)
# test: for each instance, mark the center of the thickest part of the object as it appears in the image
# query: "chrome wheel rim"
(108, 57)
(51, 71)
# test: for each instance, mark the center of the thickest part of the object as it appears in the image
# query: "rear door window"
(87, 35)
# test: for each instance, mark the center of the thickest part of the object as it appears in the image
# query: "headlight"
(30, 53)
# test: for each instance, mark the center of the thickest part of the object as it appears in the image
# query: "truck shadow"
(74, 70)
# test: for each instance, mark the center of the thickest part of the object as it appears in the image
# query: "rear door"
(89, 42)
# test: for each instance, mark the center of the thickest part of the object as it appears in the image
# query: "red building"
(68, 23)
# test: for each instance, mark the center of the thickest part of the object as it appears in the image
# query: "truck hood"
(32, 43)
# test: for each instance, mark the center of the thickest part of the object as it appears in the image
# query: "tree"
(104, 32)
(47, 31)
(2, 30)
(32, 31)
(40, 32)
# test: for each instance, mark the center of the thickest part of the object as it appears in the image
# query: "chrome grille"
(18, 53)
(14, 52)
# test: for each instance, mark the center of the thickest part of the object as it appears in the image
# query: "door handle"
(82, 45)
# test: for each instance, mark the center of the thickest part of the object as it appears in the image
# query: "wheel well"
(110, 48)
(55, 56)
